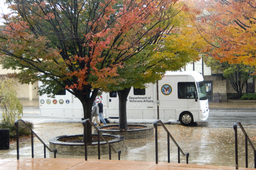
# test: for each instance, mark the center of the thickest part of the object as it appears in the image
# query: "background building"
(25, 91)
(218, 88)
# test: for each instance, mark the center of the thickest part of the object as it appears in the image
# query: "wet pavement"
(206, 145)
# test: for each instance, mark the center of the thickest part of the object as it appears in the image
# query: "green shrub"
(12, 108)
(23, 130)
(249, 96)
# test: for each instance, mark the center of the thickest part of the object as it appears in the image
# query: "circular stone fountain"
(133, 131)
(74, 145)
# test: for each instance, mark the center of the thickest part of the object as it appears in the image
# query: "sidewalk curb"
(220, 108)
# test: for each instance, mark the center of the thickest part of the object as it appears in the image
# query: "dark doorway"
(208, 86)
(250, 86)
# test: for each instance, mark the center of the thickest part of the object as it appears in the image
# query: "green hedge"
(249, 96)
(23, 130)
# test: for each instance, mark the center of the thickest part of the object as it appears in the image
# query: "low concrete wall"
(77, 149)
(133, 132)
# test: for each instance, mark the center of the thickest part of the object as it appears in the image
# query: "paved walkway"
(234, 104)
(78, 164)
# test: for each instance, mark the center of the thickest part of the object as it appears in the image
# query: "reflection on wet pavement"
(206, 146)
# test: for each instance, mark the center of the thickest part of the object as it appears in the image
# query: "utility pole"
(157, 99)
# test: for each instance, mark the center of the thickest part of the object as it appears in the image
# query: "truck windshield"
(201, 90)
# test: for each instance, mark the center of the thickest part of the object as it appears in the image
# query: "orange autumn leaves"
(230, 28)
(120, 39)
(84, 44)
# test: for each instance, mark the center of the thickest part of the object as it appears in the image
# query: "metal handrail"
(247, 139)
(99, 135)
(168, 143)
(32, 140)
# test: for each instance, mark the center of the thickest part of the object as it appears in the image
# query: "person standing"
(95, 114)
(100, 105)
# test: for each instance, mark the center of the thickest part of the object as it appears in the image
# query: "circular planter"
(74, 145)
(133, 131)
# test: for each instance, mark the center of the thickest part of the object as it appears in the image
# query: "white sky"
(3, 10)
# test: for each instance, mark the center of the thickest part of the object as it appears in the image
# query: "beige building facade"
(25, 91)
(218, 88)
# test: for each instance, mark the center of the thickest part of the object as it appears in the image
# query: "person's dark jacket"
(100, 107)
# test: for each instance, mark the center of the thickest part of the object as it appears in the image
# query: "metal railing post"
(85, 141)
(119, 155)
(109, 151)
(187, 155)
(32, 144)
(44, 151)
(254, 159)
(17, 138)
(168, 147)
(236, 149)
(156, 142)
(55, 152)
(178, 154)
(246, 151)
(98, 144)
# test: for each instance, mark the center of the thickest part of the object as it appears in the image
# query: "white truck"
(63, 105)
(178, 96)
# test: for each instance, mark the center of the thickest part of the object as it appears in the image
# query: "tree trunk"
(87, 99)
(87, 114)
(122, 95)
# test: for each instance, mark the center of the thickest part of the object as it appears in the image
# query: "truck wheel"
(186, 119)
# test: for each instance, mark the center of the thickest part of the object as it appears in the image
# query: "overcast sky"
(3, 10)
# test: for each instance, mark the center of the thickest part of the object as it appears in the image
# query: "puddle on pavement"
(206, 146)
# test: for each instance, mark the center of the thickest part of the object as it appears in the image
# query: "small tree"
(237, 74)
(178, 45)
(10, 104)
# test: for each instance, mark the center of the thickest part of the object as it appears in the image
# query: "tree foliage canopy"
(229, 27)
(79, 43)
(178, 45)
(87, 45)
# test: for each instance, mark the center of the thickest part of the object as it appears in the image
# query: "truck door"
(112, 105)
(188, 93)
(167, 100)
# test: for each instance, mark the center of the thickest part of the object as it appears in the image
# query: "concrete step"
(77, 164)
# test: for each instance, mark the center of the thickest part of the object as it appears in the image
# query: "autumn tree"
(229, 28)
(79, 45)
(179, 45)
